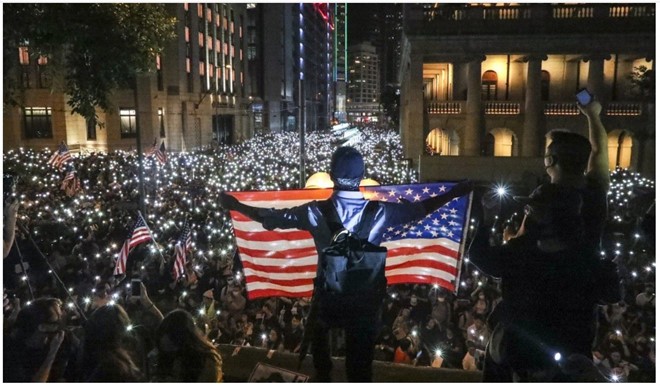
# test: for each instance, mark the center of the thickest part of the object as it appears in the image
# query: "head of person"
(346, 169)
(296, 321)
(106, 328)
(207, 297)
(567, 155)
(553, 210)
(178, 334)
(179, 338)
(38, 322)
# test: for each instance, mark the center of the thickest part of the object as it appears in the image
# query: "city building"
(197, 95)
(291, 65)
(340, 40)
(363, 103)
(481, 84)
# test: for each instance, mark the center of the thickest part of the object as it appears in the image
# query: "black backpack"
(351, 278)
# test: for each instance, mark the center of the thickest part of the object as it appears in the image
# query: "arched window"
(545, 85)
(620, 145)
(442, 142)
(489, 85)
(504, 142)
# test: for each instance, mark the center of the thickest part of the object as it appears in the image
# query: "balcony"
(444, 107)
(526, 19)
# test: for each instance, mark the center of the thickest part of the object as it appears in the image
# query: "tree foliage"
(642, 80)
(390, 99)
(92, 49)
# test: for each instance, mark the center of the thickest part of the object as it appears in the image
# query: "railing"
(561, 109)
(573, 12)
(455, 19)
(436, 107)
(623, 109)
(501, 108)
(444, 108)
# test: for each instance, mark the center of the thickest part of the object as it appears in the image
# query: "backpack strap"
(334, 223)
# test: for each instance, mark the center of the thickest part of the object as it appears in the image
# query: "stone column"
(413, 136)
(533, 119)
(473, 135)
(595, 78)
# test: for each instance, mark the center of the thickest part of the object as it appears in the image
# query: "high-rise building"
(481, 84)
(291, 59)
(340, 59)
(197, 95)
(363, 83)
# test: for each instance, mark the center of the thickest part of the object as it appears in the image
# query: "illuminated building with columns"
(482, 84)
(197, 95)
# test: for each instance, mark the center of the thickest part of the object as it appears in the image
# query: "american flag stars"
(445, 222)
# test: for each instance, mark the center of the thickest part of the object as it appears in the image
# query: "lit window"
(37, 122)
(127, 122)
(161, 122)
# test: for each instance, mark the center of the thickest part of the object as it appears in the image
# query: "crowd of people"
(67, 317)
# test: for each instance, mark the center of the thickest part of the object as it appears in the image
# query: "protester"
(105, 357)
(39, 348)
(361, 323)
(84, 233)
(183, 352)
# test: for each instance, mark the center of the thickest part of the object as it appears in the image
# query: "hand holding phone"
(584, 97)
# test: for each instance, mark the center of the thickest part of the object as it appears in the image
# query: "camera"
(135, 287)
(584, 97)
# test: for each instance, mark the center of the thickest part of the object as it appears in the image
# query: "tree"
(389, 99)
(642, 80)
(91, 49)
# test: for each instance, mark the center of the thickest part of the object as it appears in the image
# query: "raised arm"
(231, 203)
(460, 189)
(598, 167)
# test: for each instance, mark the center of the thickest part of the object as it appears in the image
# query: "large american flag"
(140, 234)
(283, 262)
(180, 250)
(59, 157)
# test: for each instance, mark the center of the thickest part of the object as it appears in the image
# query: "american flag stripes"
(283, 262)
(160, 154)
(70, 183)
(140, 234)
(181, 250)
(60, 157)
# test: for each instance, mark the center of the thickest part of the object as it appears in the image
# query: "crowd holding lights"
(187, 187)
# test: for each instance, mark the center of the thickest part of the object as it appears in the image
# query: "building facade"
(196, 96)
(363, 103)
(482, 84)
(292, 65)
(340, 66)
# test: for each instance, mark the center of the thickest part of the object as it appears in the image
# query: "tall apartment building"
(291, 61)
(482, 84)
(363, 83)
(197, 95)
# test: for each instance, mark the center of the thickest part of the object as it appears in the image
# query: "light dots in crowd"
(129, 328)
(557, 356)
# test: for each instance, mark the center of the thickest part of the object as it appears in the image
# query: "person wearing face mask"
(547, 279)
(38, 348)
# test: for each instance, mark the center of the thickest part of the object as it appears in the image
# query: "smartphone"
(135, 287)
(584, 97)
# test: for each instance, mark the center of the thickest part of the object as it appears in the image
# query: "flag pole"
(152, 237)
